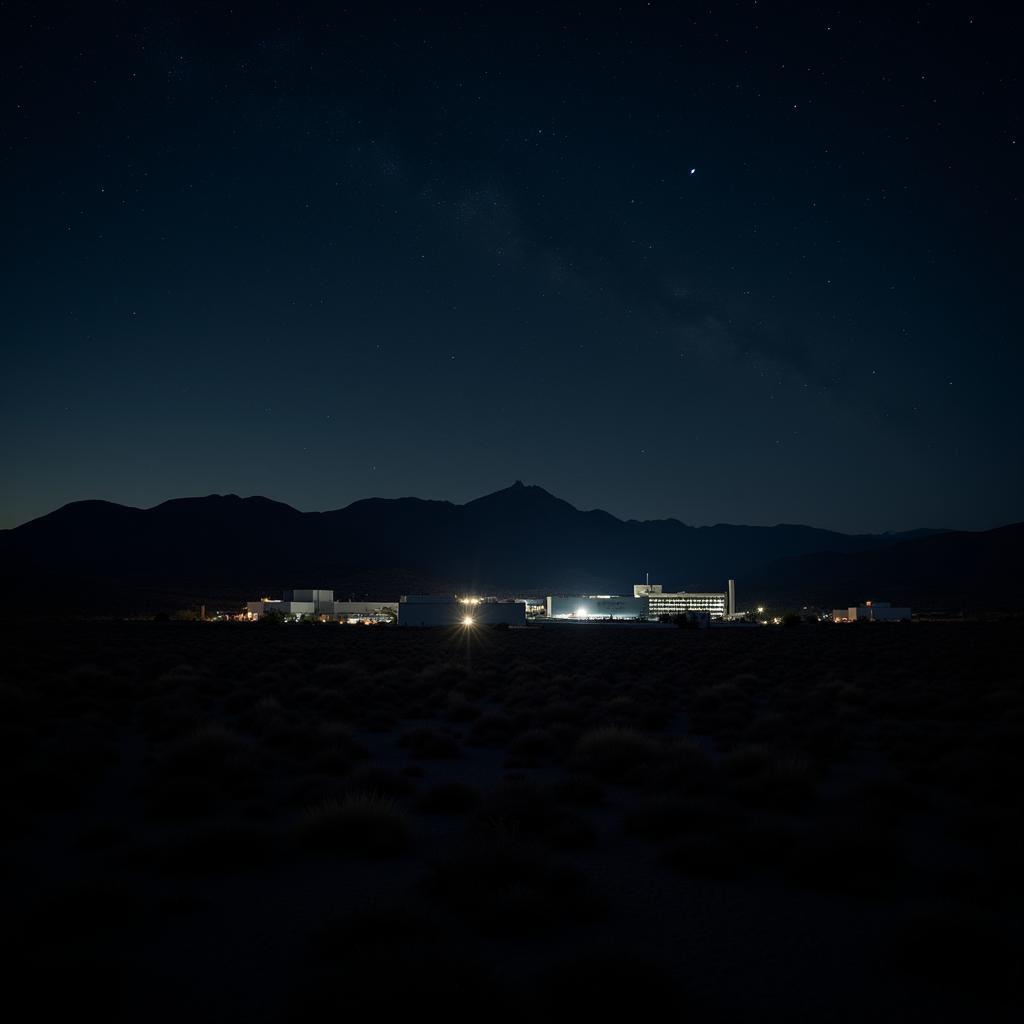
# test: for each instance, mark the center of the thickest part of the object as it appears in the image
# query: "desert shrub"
(372, 928)
(612, 753)
(886, 800)
(491, 729)
(362, 825)
(657, 818)
(101, 835)
(684, 767)
(708, 856)
(424, 742)
(579, 790)
(452, 797)
(505, 887)
(333, 748)
(181, 797)
(338, 674)
(82, 751)
(216, 756)
(221, 847)
(838, 857)
(569, 832)
(396, 979)
(956, 946)
(768, 777)
(447, 675)
(714, 698)
(168, 716)
(607, 985)
(240, 700)
(13, 704)
(88, 907)
(533, 743)
(458, 709)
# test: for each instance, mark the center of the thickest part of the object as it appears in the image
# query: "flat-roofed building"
(289, 609)
(582, 608)
(716, 604)
(871, 611)
(450, 610)
(320, 604)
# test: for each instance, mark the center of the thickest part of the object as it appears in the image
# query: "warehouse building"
(320, 604)
(871, 611)
(596, 606)
(450, 610)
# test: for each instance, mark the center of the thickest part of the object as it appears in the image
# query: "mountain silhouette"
(99, 555)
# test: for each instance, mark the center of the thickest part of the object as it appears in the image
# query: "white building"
(300, 604)
(871, 611)
(596, 606)
(718, 605)
(450, 610)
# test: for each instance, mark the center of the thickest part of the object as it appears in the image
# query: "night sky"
(743, 263)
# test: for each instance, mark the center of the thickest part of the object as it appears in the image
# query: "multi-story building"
(717, 604)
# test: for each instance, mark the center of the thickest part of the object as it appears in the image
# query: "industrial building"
(320, 604)
(649, 601)
(596, 606)
(871, 611)
(450, 610)
(718, 605)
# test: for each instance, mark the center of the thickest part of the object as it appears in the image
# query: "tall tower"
(730, 604)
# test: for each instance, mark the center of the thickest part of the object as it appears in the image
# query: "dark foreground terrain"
(309, 822)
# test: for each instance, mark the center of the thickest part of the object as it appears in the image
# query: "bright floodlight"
(468, 620)
(580, 612)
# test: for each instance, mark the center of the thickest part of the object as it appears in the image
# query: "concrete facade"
(600, 606)
(717, 604)
(445, 610)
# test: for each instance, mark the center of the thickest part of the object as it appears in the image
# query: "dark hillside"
(223, 547)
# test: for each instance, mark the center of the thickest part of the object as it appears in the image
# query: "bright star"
(693, 170)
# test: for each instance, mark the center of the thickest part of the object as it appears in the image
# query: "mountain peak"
(519, 493)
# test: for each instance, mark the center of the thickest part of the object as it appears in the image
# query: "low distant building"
(320, 604)
(871, 611)
(451, 610)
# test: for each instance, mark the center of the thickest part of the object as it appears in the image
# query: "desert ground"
(290, 822)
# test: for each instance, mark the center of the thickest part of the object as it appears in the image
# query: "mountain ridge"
(518, 539)
(263, 499)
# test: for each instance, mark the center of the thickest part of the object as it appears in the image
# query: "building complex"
(649, 602)
(871, 611)
(320, 604)
(449, 610)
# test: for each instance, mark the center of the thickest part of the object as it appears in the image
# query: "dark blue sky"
(746, 264)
